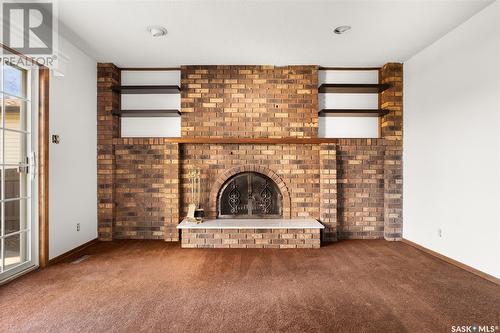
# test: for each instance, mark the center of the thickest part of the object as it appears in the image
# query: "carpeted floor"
(152, 286)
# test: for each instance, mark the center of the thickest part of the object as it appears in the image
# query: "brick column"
(391, 127)
(328, 190)
(172, 194)
(108, 127)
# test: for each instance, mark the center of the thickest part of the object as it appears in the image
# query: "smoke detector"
(342, 29)
(157, 31)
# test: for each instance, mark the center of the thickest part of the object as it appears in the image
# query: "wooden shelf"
(352, 88)
(147, 113)
(352, 113)
(229, 140)
(149, 89)
(149, 69)
(326, 68)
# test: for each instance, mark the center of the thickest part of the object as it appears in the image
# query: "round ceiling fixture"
(157, 31)
(342, 29)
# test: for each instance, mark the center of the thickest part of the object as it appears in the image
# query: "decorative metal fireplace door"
(249, 195)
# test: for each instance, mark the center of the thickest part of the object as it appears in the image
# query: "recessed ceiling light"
(157, 31)
(342, 29)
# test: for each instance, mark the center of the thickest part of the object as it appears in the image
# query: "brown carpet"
(152, 286)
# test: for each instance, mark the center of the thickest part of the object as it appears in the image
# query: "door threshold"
(18, 274)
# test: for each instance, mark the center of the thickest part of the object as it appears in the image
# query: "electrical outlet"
(440, 233)
(78, 227)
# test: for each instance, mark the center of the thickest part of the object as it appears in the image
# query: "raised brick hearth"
(252, 233)
(251, 238)
(352, 186)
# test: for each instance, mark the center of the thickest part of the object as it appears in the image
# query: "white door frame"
(33, 244)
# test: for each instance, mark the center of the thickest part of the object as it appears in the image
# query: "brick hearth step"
(251, 233)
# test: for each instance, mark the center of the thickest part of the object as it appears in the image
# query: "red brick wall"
(360, 191)
(354, 187)
(108, 127)
(146, 189)
(251, 238)
(392, 132)
(328, 191)
(391, 125)
(249, 101)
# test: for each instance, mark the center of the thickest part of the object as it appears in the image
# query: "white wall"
(73, 163)
(147, 127)
(151, 102)
(344, 126)
(348, 101)
(348, 127)
(152, 126)
(167, 77)
(347, 76)
(452, 144)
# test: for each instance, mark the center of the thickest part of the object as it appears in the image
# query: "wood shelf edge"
(353, 88)
(201, 140)
(326, 68)
(147, 113)
(147, 89)
(352, 112)
(149, 69)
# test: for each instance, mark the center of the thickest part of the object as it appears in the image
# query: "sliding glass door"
(18, 232)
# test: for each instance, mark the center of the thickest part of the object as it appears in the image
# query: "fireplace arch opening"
(249, 195)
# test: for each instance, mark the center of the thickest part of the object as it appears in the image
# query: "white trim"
(15, 233)
(25, 99)
(18, 274)
(14, 199)
(31, 232)
(15, 130)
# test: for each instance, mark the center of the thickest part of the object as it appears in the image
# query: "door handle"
(32, 165)
(23, 168)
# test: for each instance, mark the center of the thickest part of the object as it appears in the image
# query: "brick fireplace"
(250, 119)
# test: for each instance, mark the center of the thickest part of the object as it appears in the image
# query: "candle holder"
(195, 213)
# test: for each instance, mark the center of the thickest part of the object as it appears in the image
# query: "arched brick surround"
(249, 168)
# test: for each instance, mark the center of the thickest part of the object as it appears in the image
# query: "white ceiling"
(260, 32)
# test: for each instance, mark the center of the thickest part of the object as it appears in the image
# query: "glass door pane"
(15, 113)
(15, 179)
(16, 250)
(14, 80)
